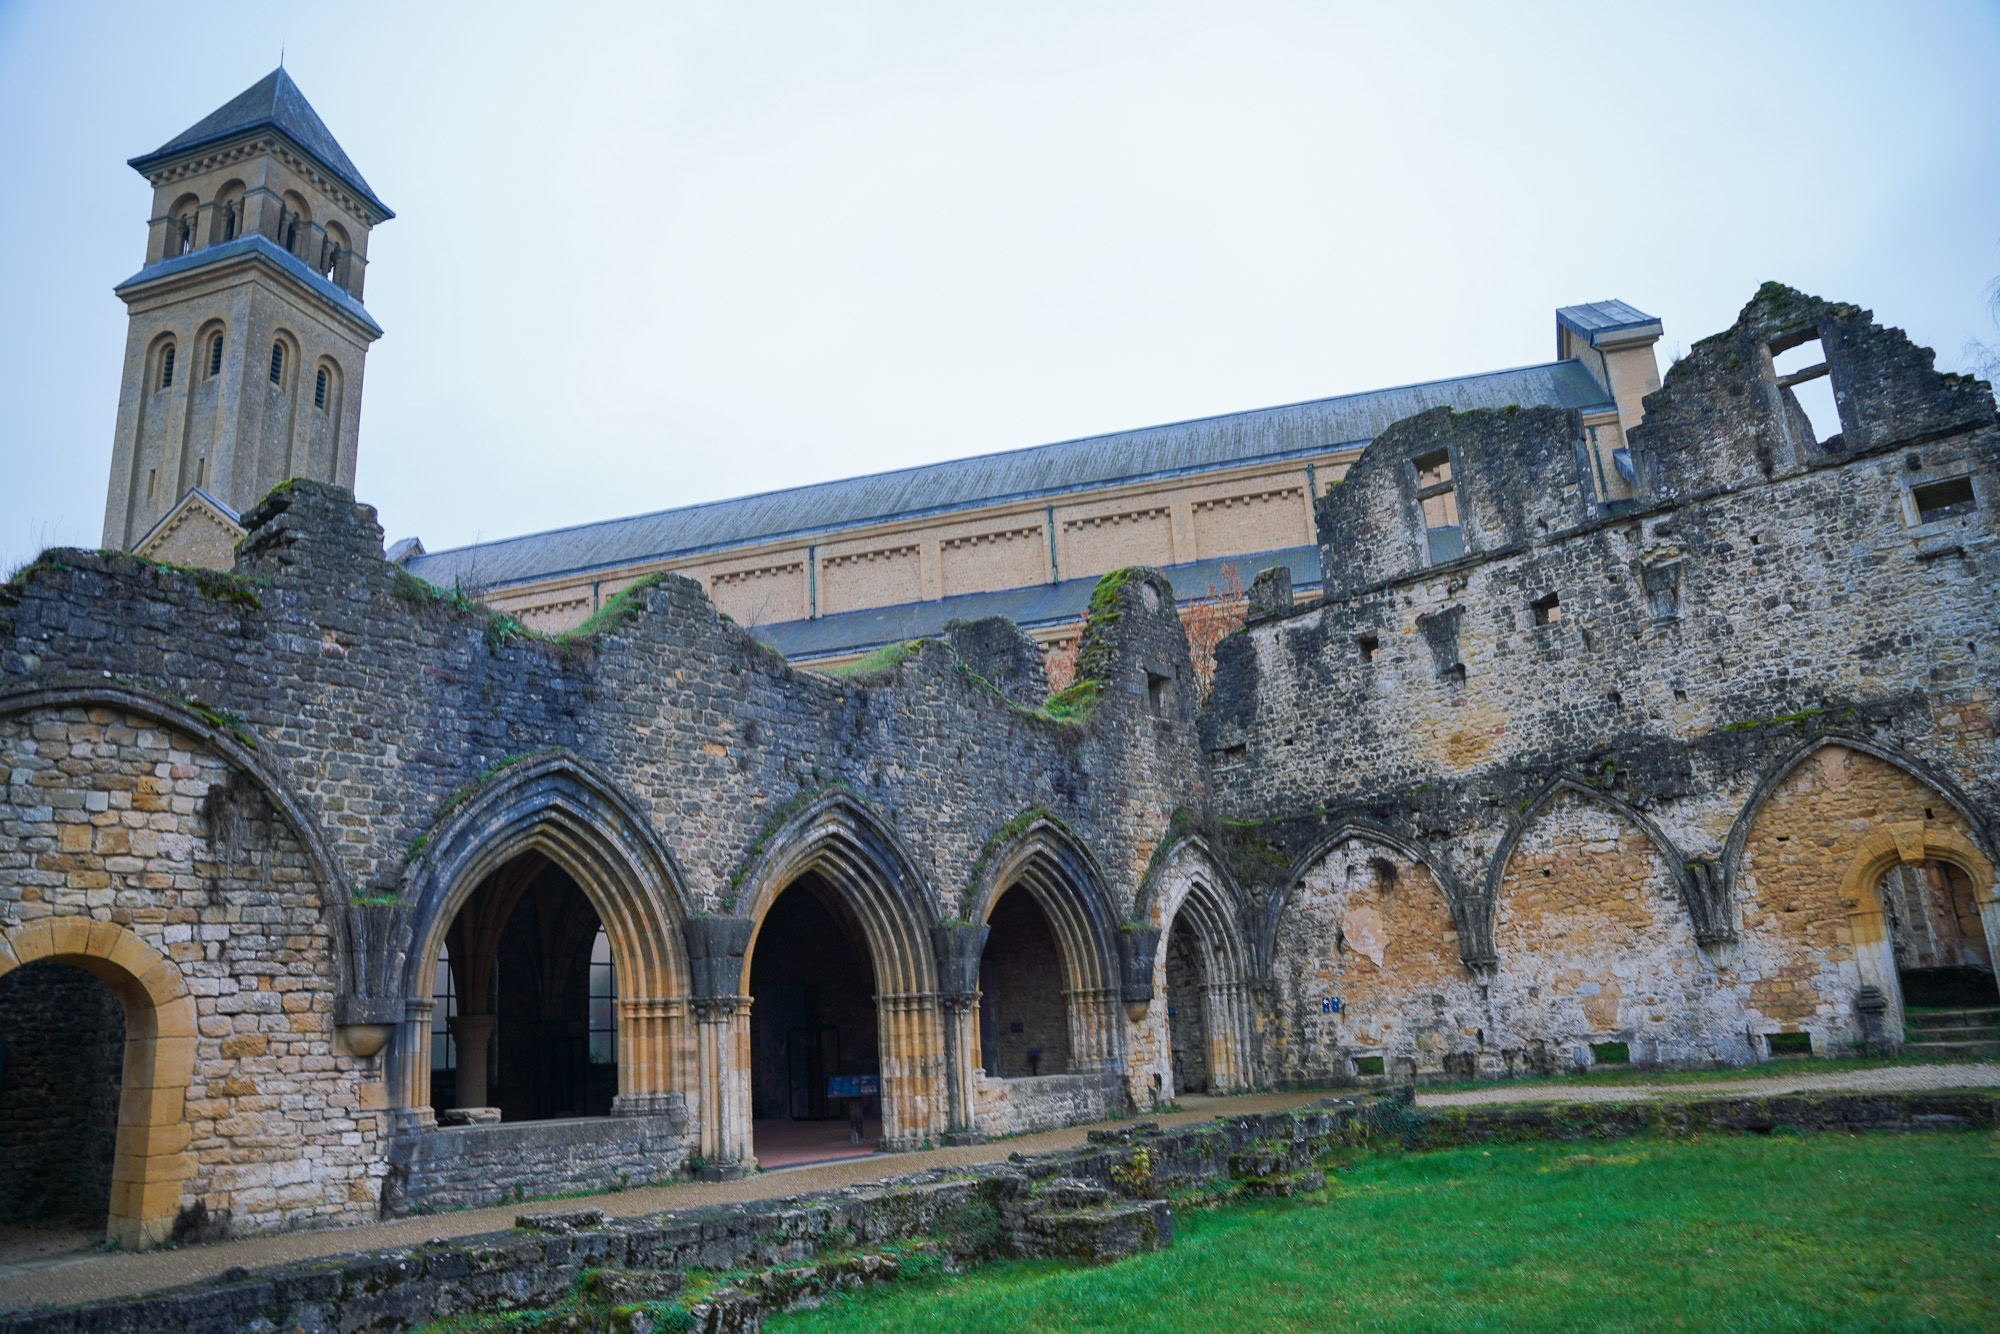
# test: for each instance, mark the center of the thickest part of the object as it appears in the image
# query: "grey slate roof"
(273, 102)
(255, 243)
(1181, 448)
(1594, 319)
(1039, 604)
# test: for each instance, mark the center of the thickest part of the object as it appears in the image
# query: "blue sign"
(853, 1086)
(1330, 1005)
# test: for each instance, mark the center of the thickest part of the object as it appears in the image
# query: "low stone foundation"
(473, 1166)
(1092, 1204)
(1043, 1102)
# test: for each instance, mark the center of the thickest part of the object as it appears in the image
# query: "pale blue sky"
(653, 254)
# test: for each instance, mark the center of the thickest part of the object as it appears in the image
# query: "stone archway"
(152, 1161)
(861, 866)
(1206, 963)
(559, 809)
(1905, 843)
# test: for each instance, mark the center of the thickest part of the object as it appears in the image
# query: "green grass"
(1818, 1232)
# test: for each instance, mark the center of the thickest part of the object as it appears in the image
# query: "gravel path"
(27, 1279)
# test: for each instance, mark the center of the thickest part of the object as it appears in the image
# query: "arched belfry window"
(603, 1002)
(215, 355)
(277, 363)
(319, 390)
(167, 366)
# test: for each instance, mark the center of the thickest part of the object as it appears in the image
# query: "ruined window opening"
(1367, 645)
(1437, 499)
(603, 1002)
(444, 1009)
(1681, 696)
(167, 367)
(1548, 610)
(215, 356)
(1610, 1053)
(1156, 694)
(1788, 1044)
(1803, 376)
(1662, 585)
(1368, 1065)
(1614, 697)
(277, 362)
(319, 390)
(1939, 500)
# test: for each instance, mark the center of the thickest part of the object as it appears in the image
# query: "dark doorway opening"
(815, 1050)
(524, 998)
(62, 1059)
(1943, 959)
(1023, 1014)
(1187, 1027)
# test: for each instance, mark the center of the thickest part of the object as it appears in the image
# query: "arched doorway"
(1024, 1016)
(62, 1058)
(524, 993)
(1187, 1029)
(815, 1040)
(1943, 959)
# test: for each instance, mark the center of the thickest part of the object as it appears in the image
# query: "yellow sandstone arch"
(152, 1159)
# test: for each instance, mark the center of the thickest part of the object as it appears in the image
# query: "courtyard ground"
(1815, 1232)
(38, 1267)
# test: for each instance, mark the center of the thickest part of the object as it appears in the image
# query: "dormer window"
(1806, 385)
(1438, 501)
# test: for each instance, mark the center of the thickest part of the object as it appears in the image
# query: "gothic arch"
(1046, 859)
(152, 1159)
(1739, 830)
(1707, 908)
(1190, 882)
(558, 805)
(1472, 915)
(862, 860)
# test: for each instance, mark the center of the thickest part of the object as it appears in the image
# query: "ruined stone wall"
(110, 816)
(1577, 725)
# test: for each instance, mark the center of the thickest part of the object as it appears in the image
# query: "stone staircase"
(1970, 1032)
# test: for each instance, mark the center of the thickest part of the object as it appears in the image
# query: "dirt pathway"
(28, 1279)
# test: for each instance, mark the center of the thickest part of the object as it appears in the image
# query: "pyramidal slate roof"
(273, 102)
(1297, 429)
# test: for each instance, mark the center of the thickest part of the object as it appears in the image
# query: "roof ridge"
(966, 459)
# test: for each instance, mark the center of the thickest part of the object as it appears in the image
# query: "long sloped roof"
(274, 101)
(1021, 474)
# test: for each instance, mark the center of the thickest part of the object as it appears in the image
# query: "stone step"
(1951, 1049)
(1953, 1018)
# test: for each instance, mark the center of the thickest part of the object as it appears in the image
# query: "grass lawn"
(1821, 1232)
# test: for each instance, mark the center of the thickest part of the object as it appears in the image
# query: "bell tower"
(244, 357)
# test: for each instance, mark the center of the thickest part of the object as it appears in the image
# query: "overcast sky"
(654, 254)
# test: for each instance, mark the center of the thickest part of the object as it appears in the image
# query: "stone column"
(723, 1027)
(912, 1069)
(1875, 959)
(472, 1033)
(958, 949)
(1989, 918)
(411, 1078)
(648, 1035)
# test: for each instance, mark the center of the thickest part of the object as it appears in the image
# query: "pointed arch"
(863, 861)
(562, 807)
(1471, 914)
(1041, 855)
(1707, 908)
(1191, 886)
(1739, 830)
(152, 1162)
